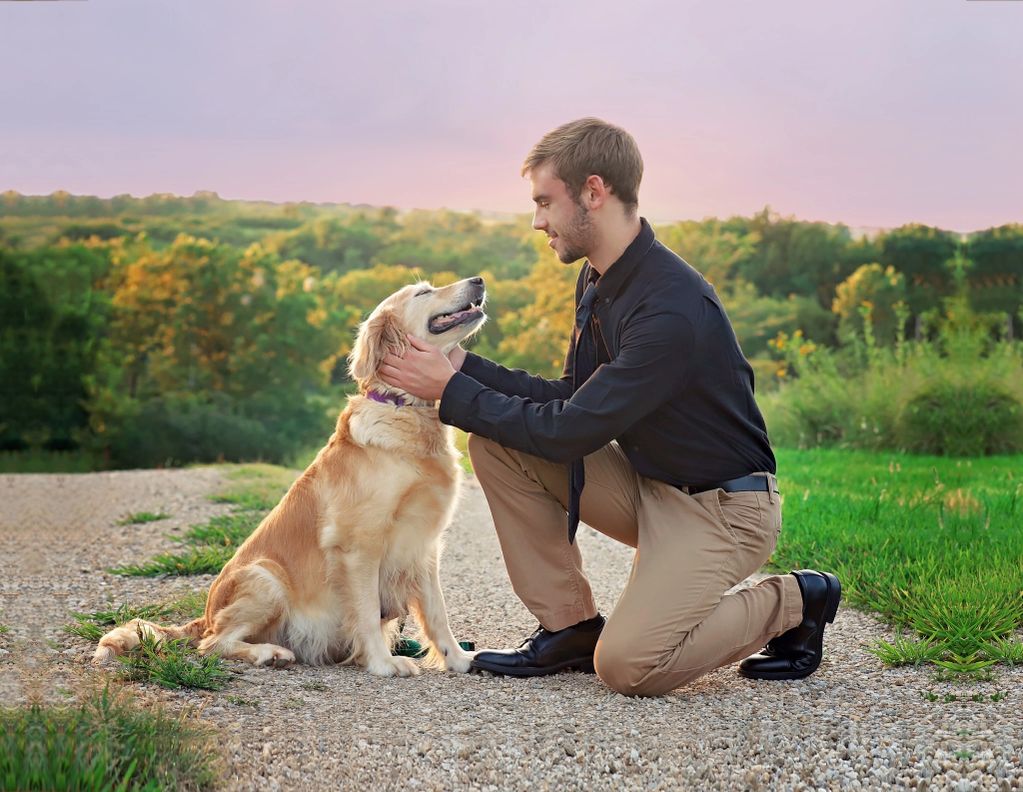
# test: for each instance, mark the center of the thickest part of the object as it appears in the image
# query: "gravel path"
(854, 724)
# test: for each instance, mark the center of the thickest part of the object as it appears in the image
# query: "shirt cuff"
(456, 400)
(472, 364)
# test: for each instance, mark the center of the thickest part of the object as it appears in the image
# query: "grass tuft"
(143, 517)
(106, 742)
(903, 651)
(173, 663)
(194, 561)
(228, 530)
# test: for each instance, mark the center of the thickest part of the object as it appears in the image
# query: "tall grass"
(107, 742)
(960, 394)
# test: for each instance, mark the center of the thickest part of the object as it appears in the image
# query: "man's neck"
(613, 243)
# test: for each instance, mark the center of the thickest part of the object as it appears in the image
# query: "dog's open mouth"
(470, 312)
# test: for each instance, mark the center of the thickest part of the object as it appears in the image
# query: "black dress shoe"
(545, 652)
(797, 653)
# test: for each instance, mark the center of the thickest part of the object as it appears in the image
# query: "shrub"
(962, 420)
(961, 394)
(179, 429)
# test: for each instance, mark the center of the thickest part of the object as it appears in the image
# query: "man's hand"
(424, 370)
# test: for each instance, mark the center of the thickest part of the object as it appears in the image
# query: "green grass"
(173, 664)
(931, 543)
(143, 517)
(256, 487)
(228, 530)
(107, 742)
(204, 560)
(39, 461)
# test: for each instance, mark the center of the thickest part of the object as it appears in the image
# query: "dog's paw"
(458, 661)
(394, 666)
(103, 654)
(274, 656)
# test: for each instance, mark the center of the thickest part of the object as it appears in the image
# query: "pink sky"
(871, 112)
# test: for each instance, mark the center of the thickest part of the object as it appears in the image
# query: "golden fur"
(355, 543)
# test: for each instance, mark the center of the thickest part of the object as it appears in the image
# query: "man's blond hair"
(589, 146)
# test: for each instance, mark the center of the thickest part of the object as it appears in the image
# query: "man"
(651, 436)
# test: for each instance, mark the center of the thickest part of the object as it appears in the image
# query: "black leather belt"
(752, 483)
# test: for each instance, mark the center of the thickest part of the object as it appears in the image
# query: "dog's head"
(441, 317)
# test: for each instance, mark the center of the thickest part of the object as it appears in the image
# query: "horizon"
(873, 116)
(496, 214)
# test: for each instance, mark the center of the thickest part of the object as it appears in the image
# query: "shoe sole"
(830, 610)
(583, 665)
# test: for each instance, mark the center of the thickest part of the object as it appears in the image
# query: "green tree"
(878, 289)
(710, 247)
(995, 278)
(921, 254)
(536, 336)
(222, 339)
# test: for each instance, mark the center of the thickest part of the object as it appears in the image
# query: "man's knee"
(626, 667)
(618, 665)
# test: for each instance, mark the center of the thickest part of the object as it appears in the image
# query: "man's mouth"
(550, 240)
(470, 312)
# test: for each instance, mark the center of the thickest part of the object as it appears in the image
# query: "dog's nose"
(477, 281)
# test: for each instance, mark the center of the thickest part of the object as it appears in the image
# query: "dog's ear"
(378, 336)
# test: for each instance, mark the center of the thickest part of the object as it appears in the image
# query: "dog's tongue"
(449, 319)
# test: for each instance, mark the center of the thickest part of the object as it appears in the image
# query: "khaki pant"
(674, 620)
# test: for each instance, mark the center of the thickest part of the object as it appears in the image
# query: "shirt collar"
(611, 282)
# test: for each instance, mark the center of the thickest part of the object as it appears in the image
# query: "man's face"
(559, 215)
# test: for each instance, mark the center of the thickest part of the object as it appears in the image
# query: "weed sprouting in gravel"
(172, 663)
(143, 517)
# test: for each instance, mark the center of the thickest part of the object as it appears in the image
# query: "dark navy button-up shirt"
(672, 385)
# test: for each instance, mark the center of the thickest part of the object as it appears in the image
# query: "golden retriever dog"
(355, 543)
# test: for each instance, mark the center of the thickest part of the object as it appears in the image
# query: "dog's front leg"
(428, 605)
(368, 646)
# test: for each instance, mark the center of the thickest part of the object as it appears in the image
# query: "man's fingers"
(418, 343)
(389, 374)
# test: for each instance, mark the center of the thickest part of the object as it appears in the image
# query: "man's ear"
(595, 192)
(378, 336)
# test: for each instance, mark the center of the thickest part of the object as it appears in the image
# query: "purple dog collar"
(386, 398)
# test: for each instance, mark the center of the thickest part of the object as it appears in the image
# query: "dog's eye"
(420, 294)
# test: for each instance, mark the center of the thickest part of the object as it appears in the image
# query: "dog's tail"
(126, 637)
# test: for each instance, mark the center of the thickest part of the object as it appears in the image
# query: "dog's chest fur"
(395, 501)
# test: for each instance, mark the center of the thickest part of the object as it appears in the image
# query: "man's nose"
(539, 223)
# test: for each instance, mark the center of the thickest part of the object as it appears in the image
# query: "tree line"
(162, 330)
